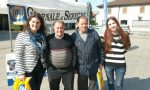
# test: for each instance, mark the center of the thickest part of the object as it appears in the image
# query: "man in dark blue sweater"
(61, 58)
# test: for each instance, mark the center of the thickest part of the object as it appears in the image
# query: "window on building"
(109, 10)
(142, 9)
(124, 10)
(124, 22)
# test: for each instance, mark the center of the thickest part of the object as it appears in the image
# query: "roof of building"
(117, 3)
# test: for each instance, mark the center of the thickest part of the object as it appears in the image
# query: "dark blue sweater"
(60, 51)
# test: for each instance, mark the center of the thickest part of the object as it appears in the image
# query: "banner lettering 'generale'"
(19, 14)
(51, 15)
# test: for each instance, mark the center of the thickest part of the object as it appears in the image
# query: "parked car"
(126, 28)
(100, 30)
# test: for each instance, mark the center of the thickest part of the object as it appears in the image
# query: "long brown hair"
(108, 36)
(42, 28)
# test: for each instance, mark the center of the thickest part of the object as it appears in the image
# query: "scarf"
(39, 42)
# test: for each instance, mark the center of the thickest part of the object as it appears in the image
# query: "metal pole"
(105, 10)
(10, 33)
(118, 12)
(88, 13)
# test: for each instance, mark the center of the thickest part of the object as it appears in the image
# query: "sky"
(94, 3)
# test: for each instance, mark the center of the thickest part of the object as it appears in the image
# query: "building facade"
(3, 15)
(135, 13)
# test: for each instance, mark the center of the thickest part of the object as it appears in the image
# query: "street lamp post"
(88, 13)
(105, 10)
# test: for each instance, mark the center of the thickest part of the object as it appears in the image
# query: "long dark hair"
(108, 36)
(42, 28)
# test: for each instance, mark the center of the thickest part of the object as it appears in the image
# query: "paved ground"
(138, 62)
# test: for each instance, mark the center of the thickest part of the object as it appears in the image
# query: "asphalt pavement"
(138, 62)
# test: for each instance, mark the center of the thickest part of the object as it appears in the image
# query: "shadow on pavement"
(4, 35)
(133, 48)
(134, 83)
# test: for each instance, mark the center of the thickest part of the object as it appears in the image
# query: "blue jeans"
(119, 75)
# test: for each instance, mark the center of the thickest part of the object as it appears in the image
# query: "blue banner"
(17, 14)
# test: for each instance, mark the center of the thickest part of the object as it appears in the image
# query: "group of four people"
(63, 55)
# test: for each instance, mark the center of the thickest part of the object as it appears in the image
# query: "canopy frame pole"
(10, 32)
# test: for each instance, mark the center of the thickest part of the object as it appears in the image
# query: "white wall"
(3, 3)
(3, 7)
(133, 12)
(99, 17)
(147, 13)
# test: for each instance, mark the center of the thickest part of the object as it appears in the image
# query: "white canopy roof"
(51, 4)
(3, 11)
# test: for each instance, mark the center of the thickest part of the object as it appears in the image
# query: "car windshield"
(100, 30)
(126, 28)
